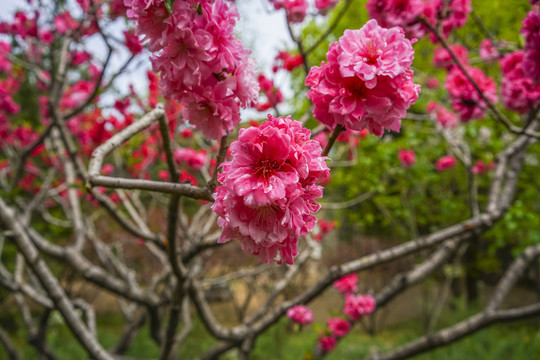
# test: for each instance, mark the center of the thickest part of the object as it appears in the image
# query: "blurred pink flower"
(488, 51)
(465, 99)
(401, 13)
(300, 314)
(445, 163)
(324, 5)
(442, 58)
(338, 327)
(481, 167)
(518, 92)
(190, 157)
(357, 306)
(406, 157)
(327, 343)
(347, 284)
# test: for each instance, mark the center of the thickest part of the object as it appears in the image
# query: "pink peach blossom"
(406, 157)
(403, 13)
(338, 327)
(327, 343)
(466, 101)
(347, 284)
(442, 58)
(357, 306)
(300, 314)
(268, 190)
(488, 51)
(366, 82)
(445, 163)
(324, 5)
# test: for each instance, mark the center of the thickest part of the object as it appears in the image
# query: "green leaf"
(169, 5)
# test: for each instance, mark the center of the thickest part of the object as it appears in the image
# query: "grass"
(516, 341)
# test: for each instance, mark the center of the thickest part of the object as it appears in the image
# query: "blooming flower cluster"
(268, 192)
(324, 5)
(359, 305)
(287, 61)
(347, 284)
(466, 101)
(406, 13)
(487, 51)
(443, 60)
(273, 95)
(190, 157)
(327, 343)
(296, 10)
(445, 163)
(367, 82)
(531, 32)
(300, 314)
(481, 167)
(203, 66)
(338, 327)
(445, 117)
(324, 228)
(406, 157)
(518, 92)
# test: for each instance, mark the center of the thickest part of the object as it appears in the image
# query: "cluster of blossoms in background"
(518, 91)
(406, 157)
(443, 60)
(268, 192)
(202, 65)
(531, 32)
(367, 82)
(355, 307)
(297, 10)
(300, 314)
(466, 101)
(407, 13)
(445, 163)
(272, 94)
(443, 116)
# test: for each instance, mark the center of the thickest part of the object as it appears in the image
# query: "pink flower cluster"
(347, 284)
(445, 163)
(296, 10)
(406, 13)
(367, 82)
(324, 227)
(518, 92)
(324, 5)
(338, 327)
(300, 314)
(287, 61)
(357, 306)
(487, 51)
(481, 167)
(465, 99)
(403, 13)
(203, 66)
(268, 192)
(531, 32)
(443, 60)
(406, 158)
(273, 95)
(190, 157)
(445, 117)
